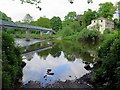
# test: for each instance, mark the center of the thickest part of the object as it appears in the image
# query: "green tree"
(107, 10)
(11, 62)
(66, 31)
(87, 17)
(42, 22)
(3, 16)
(116, 24)
(28, 18)
(108, 72)
(89, 35)
(56, 23)
(39, 1)
(71, 16)
(75, 26)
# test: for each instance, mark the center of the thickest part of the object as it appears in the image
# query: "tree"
(75, 26)
(108, 72)
(11, 62)
(107, 10)
(3, 16)
(88, 16)
(39, 1)
(71, 16)
(42, 22)
(56, 23)
(28, 18)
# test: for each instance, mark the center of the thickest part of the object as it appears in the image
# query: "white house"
(101, 24)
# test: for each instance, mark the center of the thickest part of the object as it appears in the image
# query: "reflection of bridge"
(26, 27)
(29, 54)
(37, 50)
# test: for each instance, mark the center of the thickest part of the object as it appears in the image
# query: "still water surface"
(63, 61)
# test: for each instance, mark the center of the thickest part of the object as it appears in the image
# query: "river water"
(49, 62)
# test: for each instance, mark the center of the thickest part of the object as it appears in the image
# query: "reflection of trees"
(44, 54)
(70, 57)
(86, 56)
(55, 51)
(85, 51)
(71, 50)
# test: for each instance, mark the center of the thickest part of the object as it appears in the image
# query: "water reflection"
(64, 61)
(36, 69)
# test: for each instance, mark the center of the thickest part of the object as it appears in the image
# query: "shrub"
(108, 74)
(11, 61)
(66, 31)
(107, 31)
(87, 35)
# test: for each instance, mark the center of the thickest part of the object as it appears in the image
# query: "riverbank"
(81, 83)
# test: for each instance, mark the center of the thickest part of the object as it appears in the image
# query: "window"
(101, 20)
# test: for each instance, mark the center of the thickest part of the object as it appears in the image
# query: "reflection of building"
(101, 24)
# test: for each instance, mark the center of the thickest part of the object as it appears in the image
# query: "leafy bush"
(66, 31)
(86, 34)
(11, 61)
(107, 31)
(108, 74)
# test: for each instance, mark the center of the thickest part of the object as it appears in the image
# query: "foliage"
(108, 74)
(75, 26)
(88, 17)
(117, 24)
(28, 18)
(107, 31)
(56, 23)
(3, 16)
(107, 10)
(87, 35)
(71, 16)
(11, 61)
(66, 31)
(39, 1)
(42, 22)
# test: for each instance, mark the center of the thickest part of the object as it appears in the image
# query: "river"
(51, 61)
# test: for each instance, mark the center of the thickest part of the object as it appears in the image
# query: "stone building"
(101, 24)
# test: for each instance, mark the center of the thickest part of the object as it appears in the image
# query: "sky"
(50, 8)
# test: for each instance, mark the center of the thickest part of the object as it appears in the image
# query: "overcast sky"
(50, 8)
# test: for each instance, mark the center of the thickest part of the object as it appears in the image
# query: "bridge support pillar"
(27, 35)
(41, 45)
(1, 28)
(41, 35)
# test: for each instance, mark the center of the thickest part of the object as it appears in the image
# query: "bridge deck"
(10, 24)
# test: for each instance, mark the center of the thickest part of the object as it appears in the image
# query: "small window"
(94, 21)
(101, 20)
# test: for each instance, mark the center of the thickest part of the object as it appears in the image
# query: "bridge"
(26, 27)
